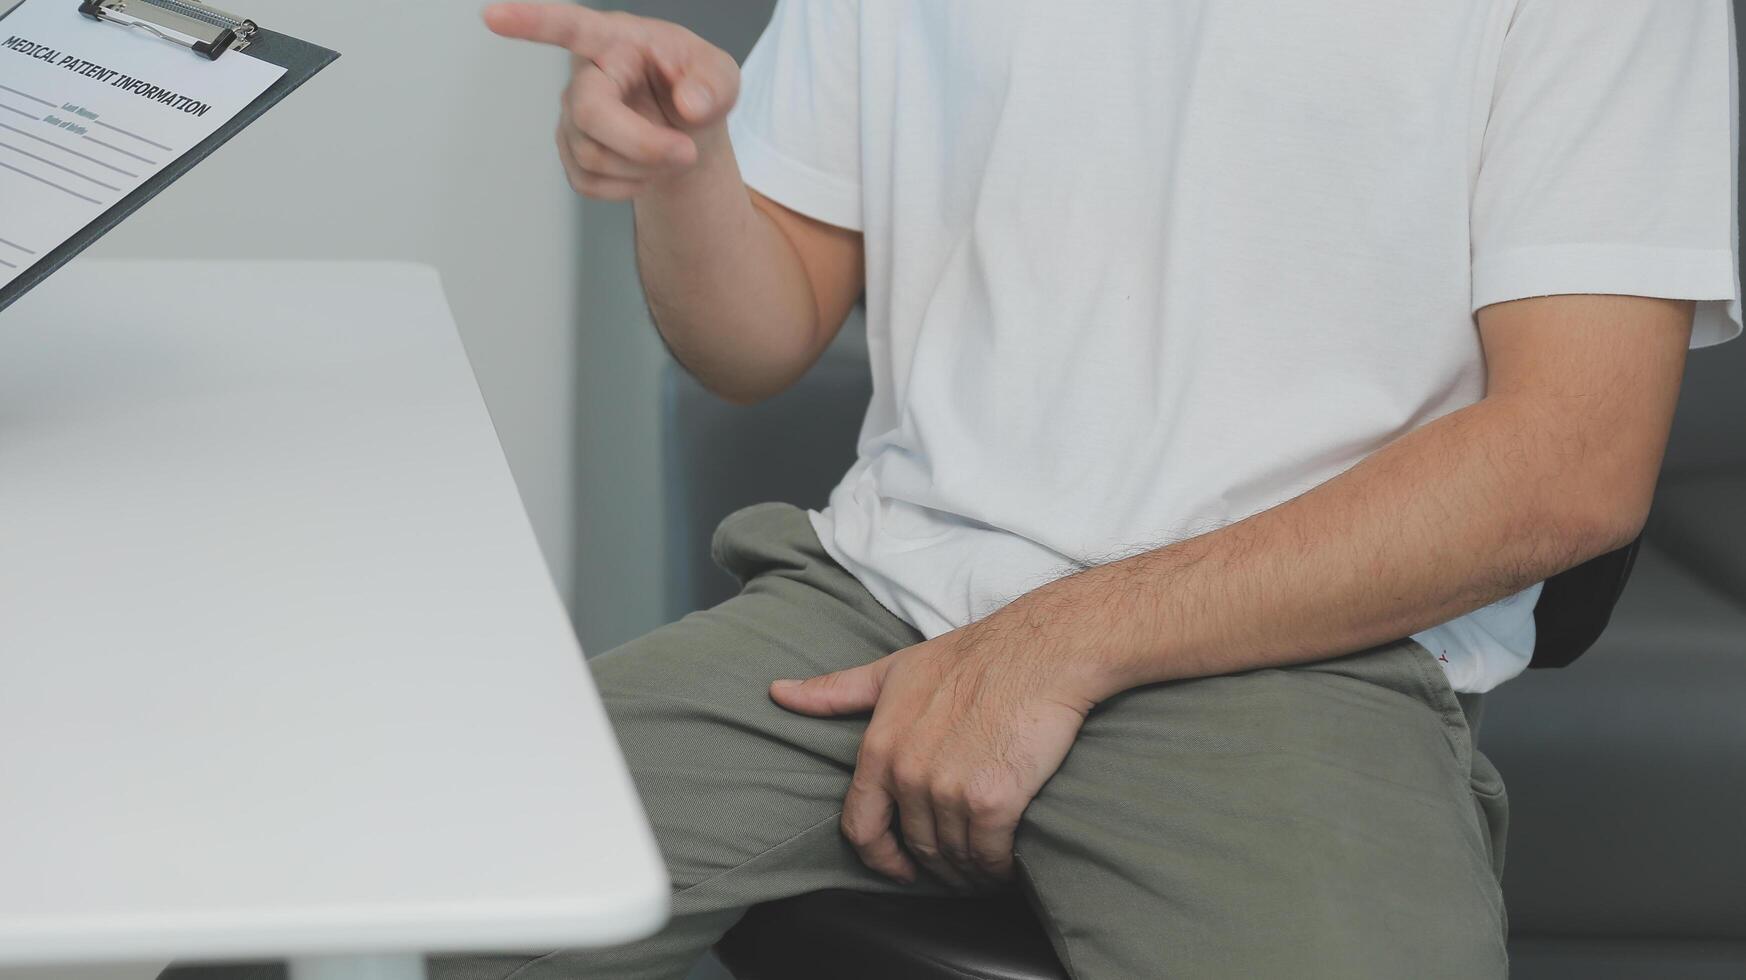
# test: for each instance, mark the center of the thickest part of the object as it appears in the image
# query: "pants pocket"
(752, 538)
(1441, 696)
(1410, 671)
(1492, 800)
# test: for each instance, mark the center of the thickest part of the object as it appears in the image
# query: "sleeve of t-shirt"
(797, 127)
(1609, 159)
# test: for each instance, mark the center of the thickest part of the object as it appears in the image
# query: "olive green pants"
(1330, 820)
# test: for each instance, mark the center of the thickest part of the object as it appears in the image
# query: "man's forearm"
(726, 287)
(1458, 514)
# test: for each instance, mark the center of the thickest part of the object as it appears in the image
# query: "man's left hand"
(966, 729)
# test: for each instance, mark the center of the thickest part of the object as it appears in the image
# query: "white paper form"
(89, 111)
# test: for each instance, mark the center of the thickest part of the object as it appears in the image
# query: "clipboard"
(209, 33)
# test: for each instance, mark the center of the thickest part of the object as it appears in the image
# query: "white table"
(281, 670)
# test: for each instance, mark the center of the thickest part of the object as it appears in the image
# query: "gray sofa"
(1627, 771)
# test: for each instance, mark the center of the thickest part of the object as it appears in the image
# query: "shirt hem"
(1708, 276)
(793, 184)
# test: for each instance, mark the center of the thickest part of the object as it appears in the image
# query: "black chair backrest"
(1575, 606)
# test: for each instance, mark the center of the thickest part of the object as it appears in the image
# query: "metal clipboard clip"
(209, 31)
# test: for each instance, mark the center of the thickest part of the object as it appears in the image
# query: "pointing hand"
(647, 99)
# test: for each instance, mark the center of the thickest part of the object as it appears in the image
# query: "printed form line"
(7, 264)
(44, 180)
(142, 139)
(21, 248)
(32, 98)
(100, 163)
(20, 112)
(51, 163)
(136, 156)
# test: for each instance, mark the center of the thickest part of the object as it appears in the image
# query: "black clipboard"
(301, 61)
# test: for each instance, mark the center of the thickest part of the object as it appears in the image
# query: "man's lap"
(1319, 814)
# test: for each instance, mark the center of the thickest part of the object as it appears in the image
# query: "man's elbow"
(1594, 488)
(1616, 527)
(1600, 521)
(746, 381)
(747, 391)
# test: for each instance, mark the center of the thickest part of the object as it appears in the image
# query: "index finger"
(581, 30)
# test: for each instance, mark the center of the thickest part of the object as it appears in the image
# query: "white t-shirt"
(1137, 270)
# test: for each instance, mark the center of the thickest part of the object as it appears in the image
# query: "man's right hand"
(647, 100)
